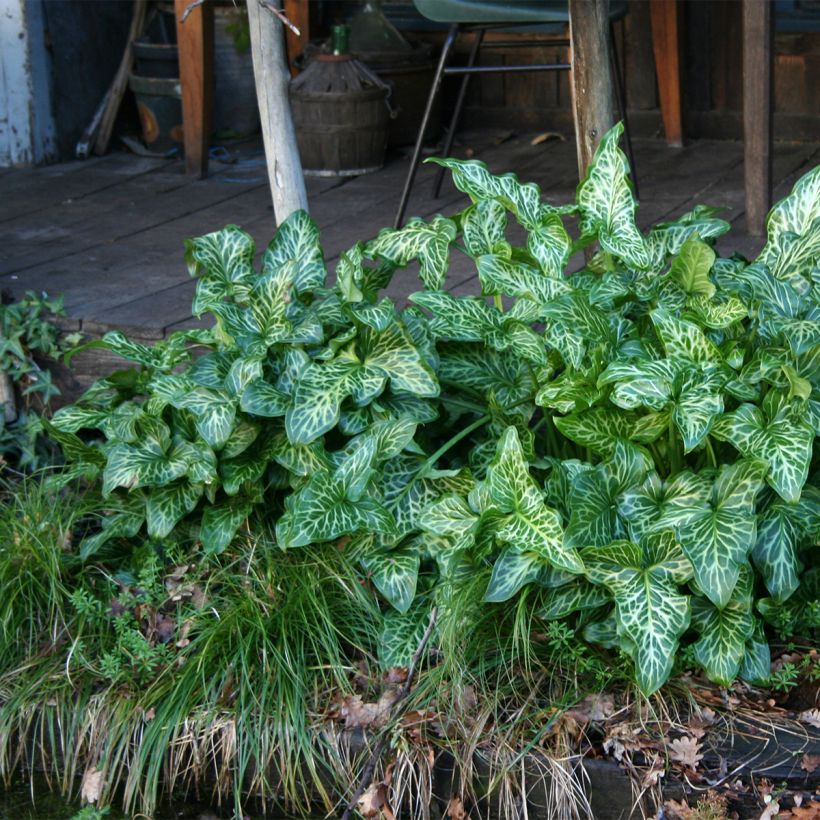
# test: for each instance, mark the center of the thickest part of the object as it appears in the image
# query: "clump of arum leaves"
(632, 441)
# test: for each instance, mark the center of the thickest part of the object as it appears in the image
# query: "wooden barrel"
(341, 132)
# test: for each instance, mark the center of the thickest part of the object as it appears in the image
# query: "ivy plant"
(630, 444)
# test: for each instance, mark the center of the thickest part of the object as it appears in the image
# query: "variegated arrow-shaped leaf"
(297, 242)
(395, 575)
(718, 537)
(651, 613)
(775, 550)
(608, 205)
(724, 632)
(783, 441)
(401, 635)
(167, 505)
(484, 227)
(576, 596)
(220, 523)
(223, 261)
(794, 217)
(141, 466)
(531, 527)
(473, 178)
(682, 339)
(427, 242)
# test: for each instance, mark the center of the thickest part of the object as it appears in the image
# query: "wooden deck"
(107, 233)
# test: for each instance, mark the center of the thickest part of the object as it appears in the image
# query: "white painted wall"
(27, 134)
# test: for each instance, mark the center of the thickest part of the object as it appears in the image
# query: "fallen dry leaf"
(547, 135)
(592, 708)
(396, 674)
(622, 738)
(810, 716)
(360, 715)
(455, 809)
(685, 750)
(811, 811)
(675, 810)
(700, 723)
(810, 762)
(373, 803)
(92, 786)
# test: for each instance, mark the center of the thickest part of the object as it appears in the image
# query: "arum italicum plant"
(632, 443)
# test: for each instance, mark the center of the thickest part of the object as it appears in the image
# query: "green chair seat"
(498, 12)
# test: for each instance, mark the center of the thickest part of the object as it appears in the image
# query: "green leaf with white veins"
(139, 466)
(531, 527)
(260, 398)
(504, 276)
(395, 575)
(473, 178)
(717, 537)
(775, 550)
(215, 413)
(724, 632)
(317, 399)
(608, 206)
(427, 242)
(690, 268)
(682, 339)
(512, 570)
(224, 262)
(550, 245)
(484, 227)
(167, 505)
(595, 493)
(796, 215)
(297, 242)
(576, 596)
(450, 516)
(783, 442)
(698, 403)
(651, 614)
(393, 355)
(220, 523)
(598, 428)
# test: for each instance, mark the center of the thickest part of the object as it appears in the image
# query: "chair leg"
(621, 95)
(462, 94)
(414, 161)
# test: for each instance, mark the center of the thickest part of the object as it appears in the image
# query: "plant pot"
(156, 59)
(160, 109)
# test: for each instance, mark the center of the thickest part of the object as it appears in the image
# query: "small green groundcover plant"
(629, 445)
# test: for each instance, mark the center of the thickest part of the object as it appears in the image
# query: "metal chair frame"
(471, 68)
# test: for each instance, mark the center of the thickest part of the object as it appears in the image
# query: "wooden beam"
(757, 111)
(195, 40)
(118, 85)
(666, 43)
(270, 70)
(298, 12)
(591, 81)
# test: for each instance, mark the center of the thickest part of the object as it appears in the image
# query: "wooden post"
(270, 69)
(298, 12)
(195, 40)
(666, 43)
(592, 92)
(757, 111)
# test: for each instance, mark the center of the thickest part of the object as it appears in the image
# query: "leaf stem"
(674, 459)
(710, 452)
(439, 453)
(498, 301)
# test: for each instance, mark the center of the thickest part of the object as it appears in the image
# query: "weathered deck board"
(108, 233)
